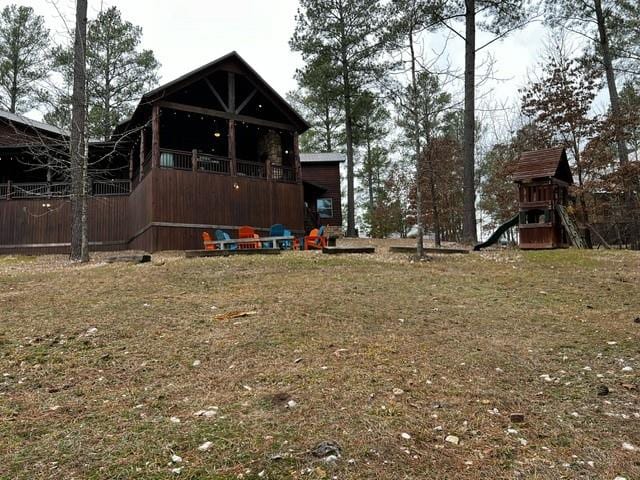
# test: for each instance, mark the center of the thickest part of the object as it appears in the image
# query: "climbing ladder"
(571, 227)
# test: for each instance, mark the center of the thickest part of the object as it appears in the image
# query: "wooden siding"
(540, 236)
(140, 215)
(326, 175)
(190, 201)
(30, 227)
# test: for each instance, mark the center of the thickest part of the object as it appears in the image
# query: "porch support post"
(8, 189)
(296, 158)
(141, 153)
(131, 165)
(232, 146)
(194, 159)
(155, 136)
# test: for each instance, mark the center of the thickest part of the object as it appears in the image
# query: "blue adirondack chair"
(276, 230)
(222, 235)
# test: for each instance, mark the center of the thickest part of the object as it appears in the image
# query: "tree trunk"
(370, 176)
(623, 153)
(418, 148)
(434, 202)
(79, 240)
(469, 233)
(327, 126)
(351, 216)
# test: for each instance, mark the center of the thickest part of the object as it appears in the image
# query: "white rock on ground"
(405, 435)
(212, 412)
(629, 447)
(452, 439)
(627, 369)
(196, 363)
(174, 420)
(176, 458)
(398, 391)
(205, 446)
(177, 470)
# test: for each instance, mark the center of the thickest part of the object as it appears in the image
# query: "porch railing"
(251, 169)
(283, 174)
(175, 159)
(99, 188)
(107, 188)
(213, 164)
(204, 162)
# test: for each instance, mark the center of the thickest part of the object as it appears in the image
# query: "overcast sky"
(185, 34)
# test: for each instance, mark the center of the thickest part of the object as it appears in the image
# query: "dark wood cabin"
(543, 178)
(321, 182)
(214, 149)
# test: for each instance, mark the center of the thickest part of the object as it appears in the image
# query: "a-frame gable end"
(208, 87)
(563, 171)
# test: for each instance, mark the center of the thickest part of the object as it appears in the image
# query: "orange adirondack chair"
(248, 232)
(315, 240)
(208, 241)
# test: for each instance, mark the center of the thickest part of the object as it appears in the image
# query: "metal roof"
(322, 157)
(12, 117)
(546, 163)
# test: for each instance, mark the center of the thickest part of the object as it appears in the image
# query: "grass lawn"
(384, 356)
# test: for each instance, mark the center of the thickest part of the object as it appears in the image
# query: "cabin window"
(324, 207)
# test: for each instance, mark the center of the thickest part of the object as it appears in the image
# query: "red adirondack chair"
(248, 232)
(208, 241)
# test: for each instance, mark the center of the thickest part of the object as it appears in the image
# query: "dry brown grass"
(78, 405)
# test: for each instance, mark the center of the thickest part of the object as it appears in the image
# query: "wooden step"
(227, 253)
(341, 250)
(409, 249)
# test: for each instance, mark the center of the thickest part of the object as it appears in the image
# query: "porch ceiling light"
(236, 186)
(216, 134)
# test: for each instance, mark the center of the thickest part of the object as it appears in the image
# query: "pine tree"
(24, 58)
(316, 100)
(409, 19)
(348, 32)
(370, 132)
(79, 222)
(118, 73)
(499, 17)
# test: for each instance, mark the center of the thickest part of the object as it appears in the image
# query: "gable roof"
(322, 157)
(546, 163)
(195, 75)
(21, 119)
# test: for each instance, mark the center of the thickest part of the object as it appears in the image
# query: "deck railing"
(98, 188)
(176, 159)
(213, 164)
(184, 160)
(107, 188)
(282, 173)
(251, 169)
